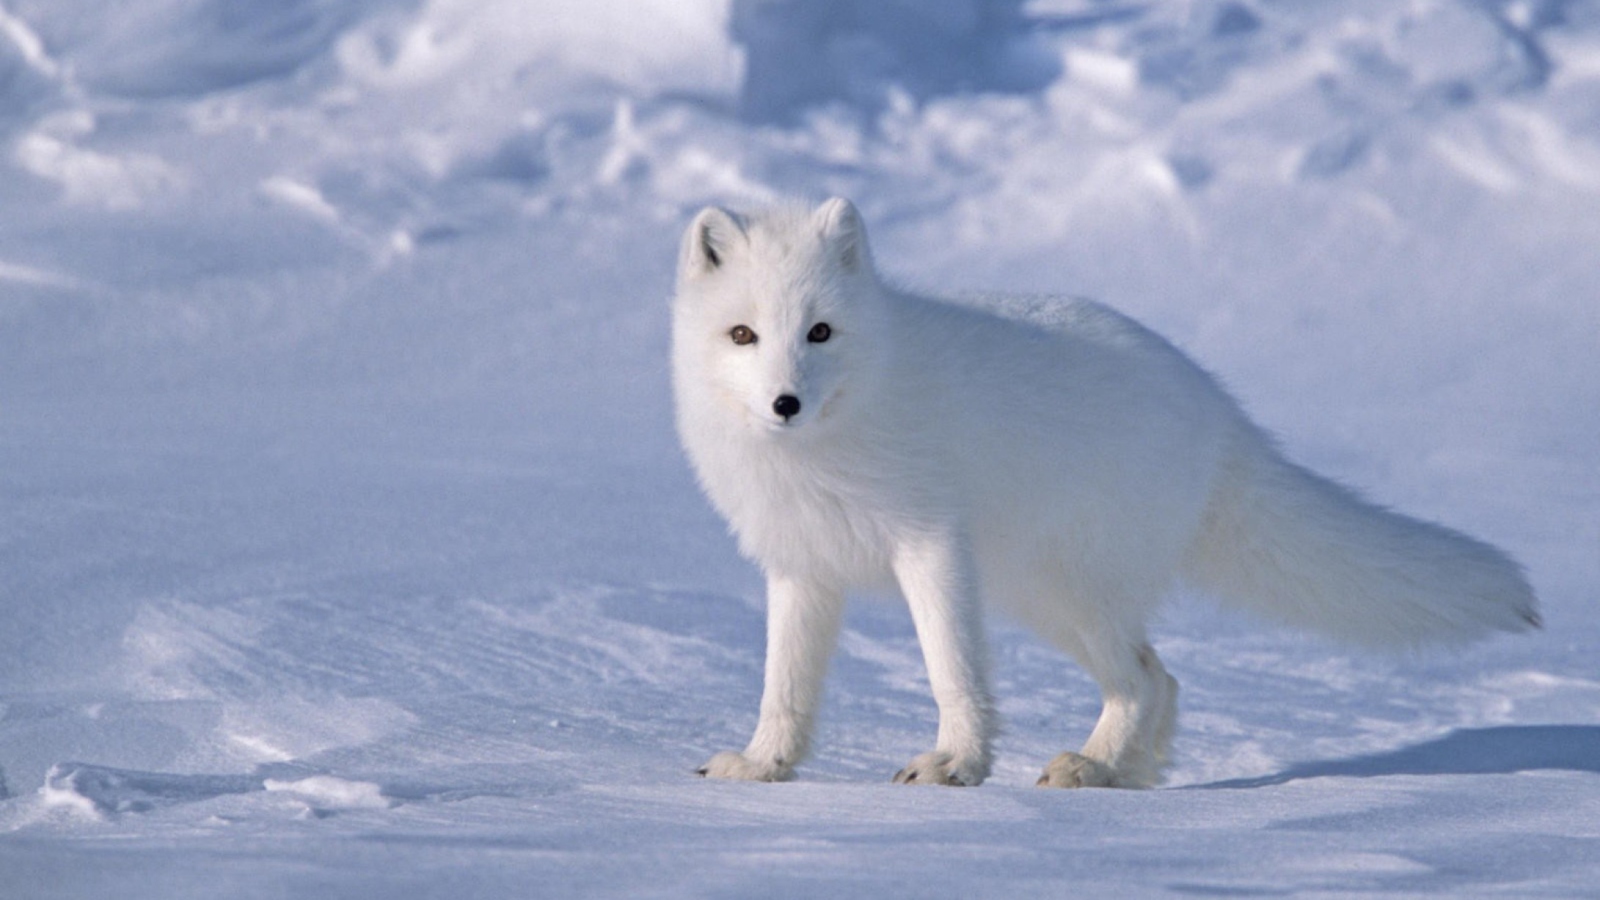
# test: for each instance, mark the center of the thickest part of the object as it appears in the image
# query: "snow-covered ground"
(345, 544)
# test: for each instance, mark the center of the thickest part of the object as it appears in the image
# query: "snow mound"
(324, 793)
(101, 791)
(802, 53)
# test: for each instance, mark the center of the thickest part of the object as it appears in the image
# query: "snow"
(347, 549)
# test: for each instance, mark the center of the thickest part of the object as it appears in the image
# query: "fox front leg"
(802, 628)
(939, 584)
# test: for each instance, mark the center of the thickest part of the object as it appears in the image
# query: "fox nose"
(787, 406)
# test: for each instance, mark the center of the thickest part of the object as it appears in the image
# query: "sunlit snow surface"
(345, 544)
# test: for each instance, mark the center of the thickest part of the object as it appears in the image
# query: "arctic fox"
(1054, 458)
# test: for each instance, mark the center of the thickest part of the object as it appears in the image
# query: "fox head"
(776, 315)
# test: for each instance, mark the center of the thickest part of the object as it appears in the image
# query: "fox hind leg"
(1131, 742)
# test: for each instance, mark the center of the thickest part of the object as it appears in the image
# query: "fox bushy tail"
(1295, 548)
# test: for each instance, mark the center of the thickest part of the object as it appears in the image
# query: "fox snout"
(787, 406)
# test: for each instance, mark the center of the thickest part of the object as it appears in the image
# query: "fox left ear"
(841, 227)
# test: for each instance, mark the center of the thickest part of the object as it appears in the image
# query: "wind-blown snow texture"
(345, 544)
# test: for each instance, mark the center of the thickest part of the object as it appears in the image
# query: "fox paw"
(1073, 770)
(938, 767)
(737, 766)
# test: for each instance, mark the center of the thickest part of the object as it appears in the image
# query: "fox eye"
(742, 335)
(819, 332)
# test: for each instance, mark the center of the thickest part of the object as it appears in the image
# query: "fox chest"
(809, 520)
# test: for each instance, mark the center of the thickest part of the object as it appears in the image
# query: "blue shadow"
(1468, 751)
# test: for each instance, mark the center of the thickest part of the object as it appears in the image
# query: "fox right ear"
(707, 243)
(840, 224)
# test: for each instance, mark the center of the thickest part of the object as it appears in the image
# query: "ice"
(346, 547)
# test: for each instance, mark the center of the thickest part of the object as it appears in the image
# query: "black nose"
(787, 405)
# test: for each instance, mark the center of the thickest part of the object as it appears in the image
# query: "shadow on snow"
(1468, 751)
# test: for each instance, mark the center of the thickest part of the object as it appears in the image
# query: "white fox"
(1052, 457)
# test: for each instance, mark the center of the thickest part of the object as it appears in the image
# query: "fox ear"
(707, 243)
(841, 227)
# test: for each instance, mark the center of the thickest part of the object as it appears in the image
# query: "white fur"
(1049, 456)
